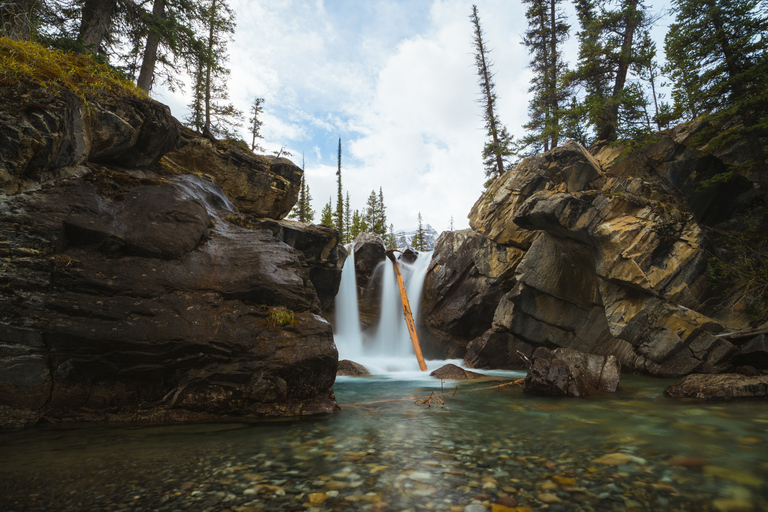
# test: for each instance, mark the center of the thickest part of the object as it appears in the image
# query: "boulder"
(259, 185)
(321, 248)
(726, 385)
(349, 368)
(408, 256)
(369, 253)
(568, 372)
(453, 372)
(153, 307)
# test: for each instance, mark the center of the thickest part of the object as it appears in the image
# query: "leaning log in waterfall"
(407, 312)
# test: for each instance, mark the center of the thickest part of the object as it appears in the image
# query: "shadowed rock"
(727, 385)
(568, 372)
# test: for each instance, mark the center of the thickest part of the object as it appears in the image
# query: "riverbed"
(407, 442)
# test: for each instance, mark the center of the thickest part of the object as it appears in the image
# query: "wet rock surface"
(723, 386)
(349, 368)
(568, 372)
(601, 254)
(453, 372)
(132, 290)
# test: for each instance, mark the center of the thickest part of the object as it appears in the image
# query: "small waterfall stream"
(389, 349)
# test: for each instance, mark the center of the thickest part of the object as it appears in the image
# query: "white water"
(347, 335)
(390, 349)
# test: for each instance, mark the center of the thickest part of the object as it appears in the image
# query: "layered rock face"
(128, 291)
(601, 256)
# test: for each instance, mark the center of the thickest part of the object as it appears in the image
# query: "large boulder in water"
(568, 372)
(369, 253)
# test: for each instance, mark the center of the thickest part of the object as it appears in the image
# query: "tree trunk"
(608, 130)
(553, 106)
(407, 313)
(147, 72)
(208, 65)
(93, 28)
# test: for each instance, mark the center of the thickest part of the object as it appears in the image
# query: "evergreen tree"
(391, 240)
(718, 55)
(371, 214)
(347, 220)
(381, 220)
(357, 225)
(609, 46)
(326, 216)
(419, 239)
(498, 149)
(255, 125)
(209, 112)
(95, 24)
(338, 216)
(547, 30)
(303, 211)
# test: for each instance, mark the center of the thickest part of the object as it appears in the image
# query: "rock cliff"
(132, 288)
(605, 252)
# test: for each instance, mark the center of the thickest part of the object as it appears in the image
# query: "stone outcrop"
(369, 253)
(723, 386)
(467, 277)
(568, 372)
(259, 185)
(603, 255)
(132, 291)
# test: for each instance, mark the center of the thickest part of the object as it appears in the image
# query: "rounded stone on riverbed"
(349, 368)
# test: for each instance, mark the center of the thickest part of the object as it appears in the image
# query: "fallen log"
(407, 312)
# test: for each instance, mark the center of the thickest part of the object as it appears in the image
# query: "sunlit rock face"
(130, 291)
(611, 261)
(259, 185)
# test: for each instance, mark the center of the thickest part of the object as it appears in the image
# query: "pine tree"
(255, 125)
(209, 112)
(381, 221)
(356, 226)
(608, 49)
(338, 216)
(498, 149)
(547, 30)
(717, 50)
(95, 24)
(347, 220)
(391, 240)
(326, 217)
(419, 239)
(303, 211)
(371, 214)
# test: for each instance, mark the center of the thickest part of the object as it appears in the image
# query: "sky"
(395, 80)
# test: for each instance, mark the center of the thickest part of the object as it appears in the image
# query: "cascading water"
(390, 348)
(347, 335)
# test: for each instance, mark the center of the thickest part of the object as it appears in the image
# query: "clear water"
(387, 450)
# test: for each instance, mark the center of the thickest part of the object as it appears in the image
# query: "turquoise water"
(485, 446)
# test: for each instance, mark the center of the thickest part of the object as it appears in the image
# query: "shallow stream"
(391, 448)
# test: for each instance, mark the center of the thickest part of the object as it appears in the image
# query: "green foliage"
(611, 46)
(740, 269)
(326, 216)
(30, 65)
(280, 317)
(338, 215)
(499, 147)
(718, 55)
(255, 124)
(375, 219)
(547, 30)
(419, 241)
(209, 111)
(303, 211)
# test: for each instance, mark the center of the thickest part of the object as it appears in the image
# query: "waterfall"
(349, 340)
(390, 348)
